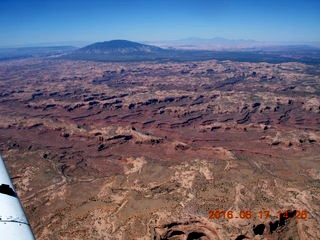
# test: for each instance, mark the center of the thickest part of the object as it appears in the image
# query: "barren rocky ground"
(149, 150)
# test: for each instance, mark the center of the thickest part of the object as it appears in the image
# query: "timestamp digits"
(262, 214)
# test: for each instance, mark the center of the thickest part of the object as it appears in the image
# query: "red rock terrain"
(147, 150)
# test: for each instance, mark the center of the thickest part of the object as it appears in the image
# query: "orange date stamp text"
(262, 214)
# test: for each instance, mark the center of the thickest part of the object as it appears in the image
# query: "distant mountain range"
(127, 51)
(216, 43)
(219, 43)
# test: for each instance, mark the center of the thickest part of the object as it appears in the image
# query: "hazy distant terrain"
(31, 52)
(219, 43)
(126, 51)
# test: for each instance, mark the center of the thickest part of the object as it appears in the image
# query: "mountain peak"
(119, 45)
(118, 50)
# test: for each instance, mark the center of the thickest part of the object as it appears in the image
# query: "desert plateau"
(154, 149)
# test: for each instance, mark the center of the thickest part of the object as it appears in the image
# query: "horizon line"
(81, 43)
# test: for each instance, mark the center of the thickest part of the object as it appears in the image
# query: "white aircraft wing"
(13, 222)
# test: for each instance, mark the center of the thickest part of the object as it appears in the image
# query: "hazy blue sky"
(34, 21)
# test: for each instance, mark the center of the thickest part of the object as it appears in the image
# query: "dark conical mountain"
(119, 50)
(119, 46)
